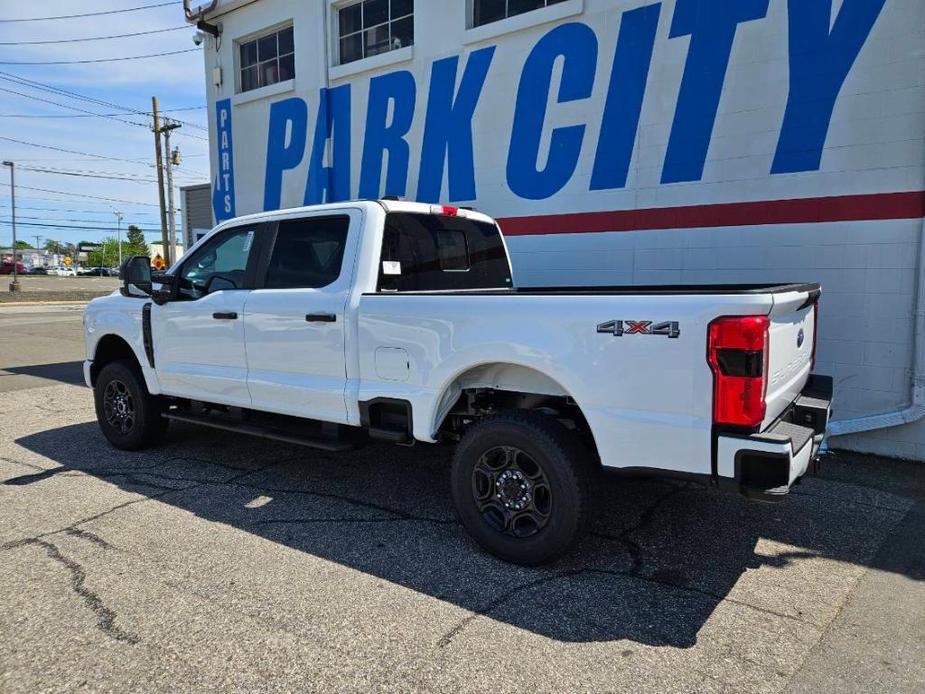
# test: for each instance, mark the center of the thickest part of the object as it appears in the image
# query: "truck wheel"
(128, 414)
(520, 482)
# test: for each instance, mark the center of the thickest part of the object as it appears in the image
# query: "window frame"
(362, 63)
(255, 37)
(518, 22)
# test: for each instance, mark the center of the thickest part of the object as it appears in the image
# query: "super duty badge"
(619, 328)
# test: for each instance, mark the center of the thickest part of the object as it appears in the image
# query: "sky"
(122, 145)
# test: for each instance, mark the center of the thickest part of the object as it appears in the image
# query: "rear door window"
(427, 252)
(308, 253)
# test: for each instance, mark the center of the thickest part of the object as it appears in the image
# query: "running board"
(262, 432)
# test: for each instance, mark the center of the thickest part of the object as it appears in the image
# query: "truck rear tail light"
(737, 351)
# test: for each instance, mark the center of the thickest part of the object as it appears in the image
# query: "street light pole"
(14, 285)
(119, 234)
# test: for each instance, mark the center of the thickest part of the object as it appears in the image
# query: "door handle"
(321, 318)
(230, 315)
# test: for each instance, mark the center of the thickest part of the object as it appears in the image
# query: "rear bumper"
(767, 464)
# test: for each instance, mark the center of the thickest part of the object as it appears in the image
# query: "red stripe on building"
(845, 208)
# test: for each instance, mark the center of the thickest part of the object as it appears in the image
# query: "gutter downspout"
(916, 410)
(200, 12)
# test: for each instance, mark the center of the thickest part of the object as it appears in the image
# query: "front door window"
(218, 265)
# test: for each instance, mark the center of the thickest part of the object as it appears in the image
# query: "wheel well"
(109, 349)
(492, 388)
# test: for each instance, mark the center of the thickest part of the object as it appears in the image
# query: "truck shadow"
(63, 372)
(659, 559)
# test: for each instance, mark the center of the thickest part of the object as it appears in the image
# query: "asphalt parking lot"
(218, 562)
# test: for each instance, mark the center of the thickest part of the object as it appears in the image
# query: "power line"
(70, 210)
(81, 174)
(79, 195)
(92, 38)
(93, 173)
(115, 116)
(71, 151)
(35, 84)
(96, 60)
(90, 14)
(72, 227)
(108, 210)
(92, 222)
(87, 115)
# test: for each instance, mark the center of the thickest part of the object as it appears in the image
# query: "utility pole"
(119, 234)
(171, 213)
(14, 285)
(160, 177)
(38, 242)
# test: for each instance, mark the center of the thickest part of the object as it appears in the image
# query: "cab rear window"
(429, 252)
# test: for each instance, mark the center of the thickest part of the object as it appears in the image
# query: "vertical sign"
(223, 187)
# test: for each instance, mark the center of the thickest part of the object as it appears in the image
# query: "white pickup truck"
(332, 325)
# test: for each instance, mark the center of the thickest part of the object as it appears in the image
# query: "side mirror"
(136, 276)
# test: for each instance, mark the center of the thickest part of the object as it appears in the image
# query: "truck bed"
(623, 290)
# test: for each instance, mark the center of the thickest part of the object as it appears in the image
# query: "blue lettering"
(577, 45)
(330, 183)
(223, 189)
(448, 127)
(819, 63)
(711, 25)
(381, 137)
(628, 79)
(292, 115)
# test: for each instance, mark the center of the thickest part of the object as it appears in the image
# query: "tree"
(136, 239)
(107, 254)
(22, 245)
(53, 246)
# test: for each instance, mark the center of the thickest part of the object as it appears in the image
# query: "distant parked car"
(96, 272)
(64, 271)
(38, 270)
(7, 269)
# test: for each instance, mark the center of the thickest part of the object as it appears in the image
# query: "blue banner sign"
(223, 186)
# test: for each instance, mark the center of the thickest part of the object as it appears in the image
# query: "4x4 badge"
(619, 328)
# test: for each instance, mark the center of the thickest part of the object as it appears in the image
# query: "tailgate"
(792, 337)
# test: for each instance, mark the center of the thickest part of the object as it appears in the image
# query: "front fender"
(119, 317)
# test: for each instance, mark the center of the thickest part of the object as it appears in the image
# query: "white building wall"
(864, 253)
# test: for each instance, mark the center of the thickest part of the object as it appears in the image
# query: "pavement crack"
(89, 536)
(105, 616)
(22, 463)
(497, 602)
(633, 548)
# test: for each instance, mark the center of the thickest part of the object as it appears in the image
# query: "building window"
(267, 60)
(488, 11)
(372, 27)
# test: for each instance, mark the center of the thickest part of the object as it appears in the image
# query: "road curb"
(50, 302)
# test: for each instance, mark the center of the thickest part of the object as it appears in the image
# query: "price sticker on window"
(248, 241)
(391, 267)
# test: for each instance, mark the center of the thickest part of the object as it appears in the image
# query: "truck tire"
(521, 485)
(129, 416)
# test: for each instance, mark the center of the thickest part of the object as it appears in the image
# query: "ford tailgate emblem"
(800, 337)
